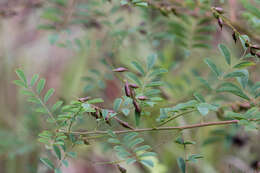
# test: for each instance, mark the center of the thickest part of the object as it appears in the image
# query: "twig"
(159, 128)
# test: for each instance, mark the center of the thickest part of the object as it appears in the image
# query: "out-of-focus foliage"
(129, 86)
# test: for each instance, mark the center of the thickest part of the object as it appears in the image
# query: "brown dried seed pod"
(252, 51)
(132, 85)
(220, 22)
(258, 54)
(121, 169)
(120, 69)
(127, 89)
(219, 10)
(142, 98)
(255, 47)
(137, 107)
(234, 36)
(84, 99)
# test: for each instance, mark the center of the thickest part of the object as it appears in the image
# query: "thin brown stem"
(159, 128)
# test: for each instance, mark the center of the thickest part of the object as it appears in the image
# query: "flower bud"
(220, 22)
(142, 98)
(127, 90)
(219, 10)
(137, 107)
(234, 36)
(132, 85)
(120, 69)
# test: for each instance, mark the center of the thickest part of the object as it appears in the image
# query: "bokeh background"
(74, 44)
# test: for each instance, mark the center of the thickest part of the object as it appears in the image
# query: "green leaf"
(19, 83)
(234, 74)
(148, 154)
(57, 170)
(135, 142)
(97, 100)
(57, 105)
(225, 52)
(88, 108)
(117, 104)
(232, 88)
(104, 113)
(142, 4)
(147, 163)
(57, 151)
(194, 157)
(40, 86)
(199, 97)
(130, 161)
(133, 77)
(21, 75)
(181, 164)
(151, 61)
(127, 138)
(137, 118)
(34, 79)
(158, 72)
(154, 84)
(125, 111)
(47, 162)
(204, 108)
(142, 148)
(65, 162)
(113, 141)
(138, 67)
(48, 94)
(244, 64)
(213, 67)
(72, 154)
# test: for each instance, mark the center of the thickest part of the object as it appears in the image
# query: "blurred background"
(74, 44)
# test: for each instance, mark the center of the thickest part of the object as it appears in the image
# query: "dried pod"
(255, 47)
(83, 99)
(258, 54)
(132, 93)
(120, 69)
(252, 51)
(127, 89)
(219, 10)
(220, 22)
(142, 98)
(244, 106)
(137, 107)
(132, 85)
(235, 107)
(121, 169)
(234, 36)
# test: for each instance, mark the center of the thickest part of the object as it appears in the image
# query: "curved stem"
(159, 128)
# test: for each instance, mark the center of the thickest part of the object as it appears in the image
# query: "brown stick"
(159, 128)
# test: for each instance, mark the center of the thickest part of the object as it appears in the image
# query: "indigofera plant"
(143, 84)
